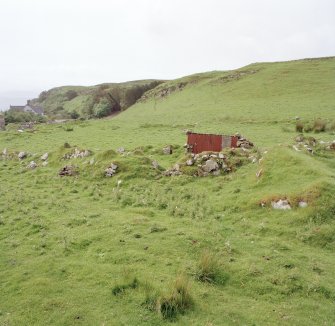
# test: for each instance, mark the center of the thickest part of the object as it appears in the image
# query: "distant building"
(27, 108)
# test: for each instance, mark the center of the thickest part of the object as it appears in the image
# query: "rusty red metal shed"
(197, 143)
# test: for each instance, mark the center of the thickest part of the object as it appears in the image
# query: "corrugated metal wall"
(204, 142)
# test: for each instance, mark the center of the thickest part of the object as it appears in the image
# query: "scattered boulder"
(302, 204)
(243, 142)
(32, 165)
(77, 154)
(68, 170)
(120, 150)
(155, 164)
(44, 157)
(22, 155)
(167, 150)
(281, 204)
(45, 163)
(190, 162)
(210, 166)
(5, 152)
(174, 171)
(300, 138)
(111, 170)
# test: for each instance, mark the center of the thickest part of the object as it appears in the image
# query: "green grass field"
(142, 249)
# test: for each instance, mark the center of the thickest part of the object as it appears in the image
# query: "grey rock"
(45, 163)
(155, 164)
(5, 152)
(167, 150)
(22, 155)
(176, 167)
(210, 166)
(32, 165)
(221, 156)
(302, 204)
(114, 166)
(44, 157)
(190, 162)
(281, 204)
(120, 150)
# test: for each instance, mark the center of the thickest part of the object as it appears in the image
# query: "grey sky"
(47, 43)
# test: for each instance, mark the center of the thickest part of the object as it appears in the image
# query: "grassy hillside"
(81, 101)
(142, 249)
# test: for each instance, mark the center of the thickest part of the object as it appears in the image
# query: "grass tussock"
(209, 269)
(121, 288)
(178, 301)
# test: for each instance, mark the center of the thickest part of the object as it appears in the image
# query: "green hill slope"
(81, 101)
(140, 248)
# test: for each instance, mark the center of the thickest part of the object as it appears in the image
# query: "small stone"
(22, 155)
(155, 164)
(216, 173)
(299, 138)
(92, 161)
(190, 162)
(176, 167)
(281, 204)
(44, 157)
(32, 165)
(5, 152)
(45, 163)
(302, 204)
(120, 150)
(167, 150)
(221, 156)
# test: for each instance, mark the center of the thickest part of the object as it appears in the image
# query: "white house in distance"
(27, 108)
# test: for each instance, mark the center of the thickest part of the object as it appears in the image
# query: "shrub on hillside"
(319, 125)
(102, 109)
(74, 114)
(18, 117)
(299, 126)
(71, 94)
(308, 128)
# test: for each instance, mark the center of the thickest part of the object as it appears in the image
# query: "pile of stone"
(111, 170)
(304, 144)
(212, 163)
(174, 171)
(77, 154)
(67, 170)
(310, 144)
(284, 204)
(243, 142)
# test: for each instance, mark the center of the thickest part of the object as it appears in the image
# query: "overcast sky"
(48, 43)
